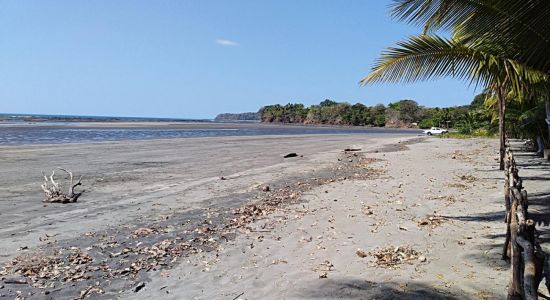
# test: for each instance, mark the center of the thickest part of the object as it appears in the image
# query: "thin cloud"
(224, 42)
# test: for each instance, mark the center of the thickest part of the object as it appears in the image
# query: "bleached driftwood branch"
(54, 192)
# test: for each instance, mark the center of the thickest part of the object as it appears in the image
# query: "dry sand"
(339, 204)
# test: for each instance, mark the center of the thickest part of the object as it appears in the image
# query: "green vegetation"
(230, 117)
(476, 118)
(502, 45)
(326, 112)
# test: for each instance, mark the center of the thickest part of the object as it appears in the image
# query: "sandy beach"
(230, 218)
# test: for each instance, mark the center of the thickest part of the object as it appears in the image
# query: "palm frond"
(523, 25)
(429, 57)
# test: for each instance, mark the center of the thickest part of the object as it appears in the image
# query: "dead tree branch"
(54, 192)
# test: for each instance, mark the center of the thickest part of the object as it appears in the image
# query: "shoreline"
(87, 133)
(191, 124)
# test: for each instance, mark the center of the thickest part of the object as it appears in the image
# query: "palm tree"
(428, 57)
(483, 48)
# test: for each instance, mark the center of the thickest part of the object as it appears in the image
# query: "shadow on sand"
(349, 288)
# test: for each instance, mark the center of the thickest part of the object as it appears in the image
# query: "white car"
(435, 130)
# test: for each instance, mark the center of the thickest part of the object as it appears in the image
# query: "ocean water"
(13, 134)
(23, 118)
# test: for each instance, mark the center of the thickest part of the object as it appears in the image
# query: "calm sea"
(17, 134)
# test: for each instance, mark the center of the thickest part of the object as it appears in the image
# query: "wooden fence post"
(508, 183)
(529, 276)
(515, 289)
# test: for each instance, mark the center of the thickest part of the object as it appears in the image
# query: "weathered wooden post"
(507, 218)
(526, 241)
(515, 289)
(507, 180)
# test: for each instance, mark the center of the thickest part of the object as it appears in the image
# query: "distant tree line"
(480, 117)
(246, 116)
(403, 113)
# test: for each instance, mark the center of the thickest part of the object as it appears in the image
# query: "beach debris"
(432, 221)
(265, 188)
(306, 239)
(279, 261)
(448, 198)
(325, 266)
(458, 185)
(361, 253)
(223, 178)
(144, 231)
(38, 268)
(15, 280)
(292, 154)
(352, 149)
(457, 154)
(89, 290)
(139, 286)
(19, 296)
(468, 178)
(53, 190)
(366, 210)
(323, 275)
(391, 257)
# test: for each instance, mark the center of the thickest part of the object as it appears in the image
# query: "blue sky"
(194, 59)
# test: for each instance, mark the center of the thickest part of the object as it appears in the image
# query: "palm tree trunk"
(501, 125)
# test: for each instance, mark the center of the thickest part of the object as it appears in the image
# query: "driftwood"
(53, 191)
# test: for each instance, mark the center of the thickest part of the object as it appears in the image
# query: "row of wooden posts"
(528, 262)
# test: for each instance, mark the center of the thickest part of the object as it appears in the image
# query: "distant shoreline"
(41, 118)
(74, 120)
